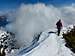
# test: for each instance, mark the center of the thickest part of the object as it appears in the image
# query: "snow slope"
(47, 48)
(49, 45)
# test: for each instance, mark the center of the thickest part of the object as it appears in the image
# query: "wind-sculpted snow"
(49, 44)
(34, 44)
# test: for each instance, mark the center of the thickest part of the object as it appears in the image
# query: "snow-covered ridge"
(49, 45)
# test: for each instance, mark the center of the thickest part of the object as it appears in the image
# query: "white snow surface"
(50, 45)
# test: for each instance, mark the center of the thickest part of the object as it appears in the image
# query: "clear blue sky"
(9, 4)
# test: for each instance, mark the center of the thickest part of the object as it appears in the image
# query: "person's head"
(59, 20)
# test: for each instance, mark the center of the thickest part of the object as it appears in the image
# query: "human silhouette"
(59, 26)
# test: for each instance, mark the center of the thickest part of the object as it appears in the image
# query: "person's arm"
(57, 23)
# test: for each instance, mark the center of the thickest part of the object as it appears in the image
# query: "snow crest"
(50, 45)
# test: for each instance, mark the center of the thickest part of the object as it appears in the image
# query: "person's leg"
(58, 31)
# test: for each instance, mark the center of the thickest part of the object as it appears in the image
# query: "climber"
(59, 26)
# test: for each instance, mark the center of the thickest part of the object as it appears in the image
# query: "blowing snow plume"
(33, 19)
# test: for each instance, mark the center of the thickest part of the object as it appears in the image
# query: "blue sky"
(11, 4)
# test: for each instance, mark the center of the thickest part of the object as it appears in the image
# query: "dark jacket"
(59, 24)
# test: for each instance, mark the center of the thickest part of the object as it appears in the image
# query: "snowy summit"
(49, 44)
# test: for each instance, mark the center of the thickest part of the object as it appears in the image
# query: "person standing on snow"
(59, 26)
